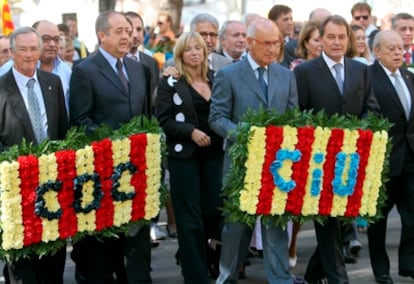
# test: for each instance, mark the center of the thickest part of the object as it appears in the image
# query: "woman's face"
(193, 54)
(360, 41)
(314, 45)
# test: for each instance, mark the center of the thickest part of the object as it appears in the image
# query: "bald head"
(265, 42)
(250, 17)
(319, 15)
(49, 33)
(388, 49)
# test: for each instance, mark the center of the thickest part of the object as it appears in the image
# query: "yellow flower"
(254, 164)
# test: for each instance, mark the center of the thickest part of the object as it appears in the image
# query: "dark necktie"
(262, 82)
(407, 58)
(338, 77)
(121, 75)
(34, 111)
(399, 88)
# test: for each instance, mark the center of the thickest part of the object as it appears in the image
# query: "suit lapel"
(19, 107)
(49, 94)
(326, 73)
(387, 85)
(409, 83)
(108, 72)
(249, 77)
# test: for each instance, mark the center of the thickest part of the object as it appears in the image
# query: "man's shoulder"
(45, 76)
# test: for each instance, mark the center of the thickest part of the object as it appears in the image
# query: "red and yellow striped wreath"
(55, 196)
(313, 171)
(301, 165)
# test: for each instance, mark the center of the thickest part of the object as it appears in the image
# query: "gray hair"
(400, 16)
(203, 18)
(379, 37)
(224, 26)
(21, 31)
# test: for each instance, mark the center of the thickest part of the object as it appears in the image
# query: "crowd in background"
(198, 85)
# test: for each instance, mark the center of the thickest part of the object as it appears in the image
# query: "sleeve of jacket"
(221, 107)
(81, 99)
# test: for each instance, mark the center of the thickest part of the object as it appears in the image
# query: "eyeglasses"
(47, 38)
(269, 44)
(206, 35)
(365, 17)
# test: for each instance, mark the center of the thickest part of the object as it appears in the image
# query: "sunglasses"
(365, 17)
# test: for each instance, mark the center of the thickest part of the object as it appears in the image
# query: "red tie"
(407, 58)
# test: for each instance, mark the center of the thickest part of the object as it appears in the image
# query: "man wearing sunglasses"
(361, 16)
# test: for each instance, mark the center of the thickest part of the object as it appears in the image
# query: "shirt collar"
(253, 63)
(111, 59)
(330, 62)
(20, 78)
(388, 71)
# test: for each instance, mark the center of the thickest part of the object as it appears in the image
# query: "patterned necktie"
(407, 58)
(338, 77)
(401, 94)
(262, 82)
(121, 75)
(34, 111)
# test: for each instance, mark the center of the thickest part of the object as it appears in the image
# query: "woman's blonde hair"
(179, 50)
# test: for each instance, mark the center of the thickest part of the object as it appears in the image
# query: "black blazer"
(15, 120)
(97, 95)
(317, 88)
(174, 100)
(289, 53)
(402, 132)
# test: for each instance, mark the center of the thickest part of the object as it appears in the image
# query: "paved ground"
(166, 272)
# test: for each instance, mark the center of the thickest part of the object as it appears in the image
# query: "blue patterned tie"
(338, 77)
(262, 82)
(34, 111)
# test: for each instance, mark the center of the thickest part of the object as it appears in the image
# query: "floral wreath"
(83, 185)
(301, 166)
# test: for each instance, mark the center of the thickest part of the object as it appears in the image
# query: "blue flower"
(339, 187)
(281, 156)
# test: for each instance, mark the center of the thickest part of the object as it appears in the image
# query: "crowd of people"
(199, 84)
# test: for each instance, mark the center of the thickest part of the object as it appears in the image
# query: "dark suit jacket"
(402, 132)
(317, 88)
(152, 67)
(289, 53)
(174, 97)
(97, 95)
(15, 120)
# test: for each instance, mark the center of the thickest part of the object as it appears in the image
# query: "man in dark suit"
(255, 82)
(109, 88)
(394, 90)
(282, 16)
(19, 121)
(341, 86)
